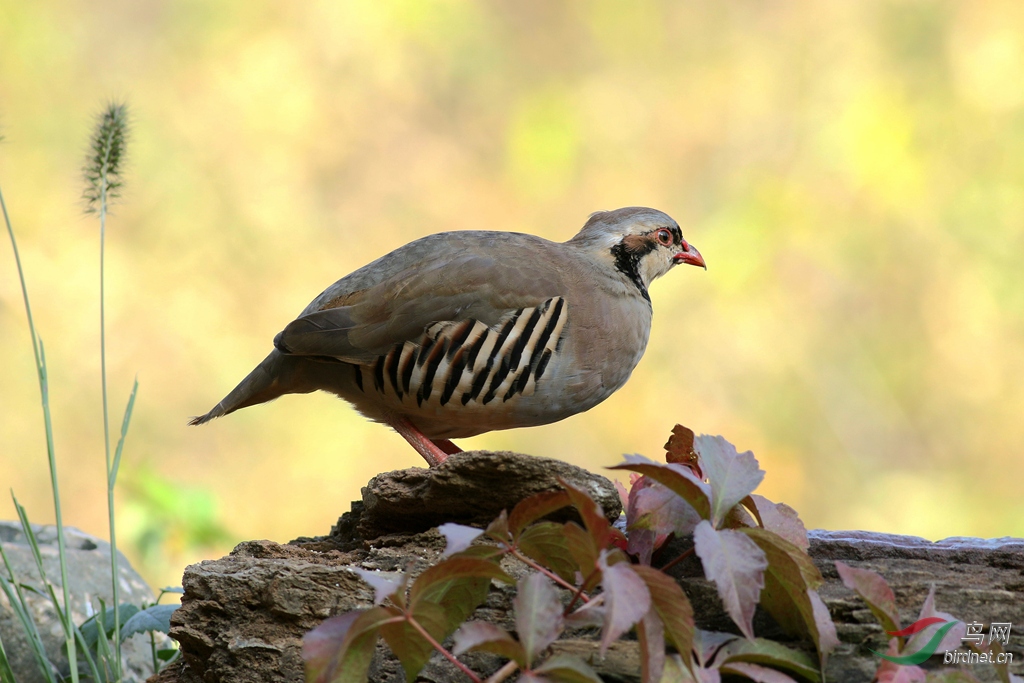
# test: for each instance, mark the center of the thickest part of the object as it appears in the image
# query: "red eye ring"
(664, 236)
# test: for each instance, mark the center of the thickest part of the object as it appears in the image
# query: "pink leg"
(431, 452)
(447, 446)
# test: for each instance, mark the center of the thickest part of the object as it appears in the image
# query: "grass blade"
(112, 479)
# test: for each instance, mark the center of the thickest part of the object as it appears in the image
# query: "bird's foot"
(433, 453)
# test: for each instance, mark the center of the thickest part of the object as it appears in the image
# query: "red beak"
(690, 255)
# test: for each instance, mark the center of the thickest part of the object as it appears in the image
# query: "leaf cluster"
(752, 549)
(933, 632)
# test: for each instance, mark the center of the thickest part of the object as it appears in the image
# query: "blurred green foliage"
(852, 172)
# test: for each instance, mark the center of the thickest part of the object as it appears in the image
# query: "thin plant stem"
(40, 356)
(546, 572)
(682, 556)
(504, 672)
(114, 569)
(579, 594)
(440, 648)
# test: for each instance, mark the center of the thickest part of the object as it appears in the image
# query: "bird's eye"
(664, 236)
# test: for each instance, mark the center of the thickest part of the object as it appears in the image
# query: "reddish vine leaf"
(547, 543)
(891, 672)
(737, 567)
(497, 530)
(626, 598)
(953, 638)
(642, 543)
(538, 611)
(790, 576)
(340, 649)
(660, 509)
(828, 639)
(671, 605)
(873, 590)
(679, 449)
(650, 634)
(597, 525)
(781, 519)
(732, 476)
(457, 537)
(384, 584)
(486, 637)
(564, 669)
(677, 478)
(706, 645)
(537, 506)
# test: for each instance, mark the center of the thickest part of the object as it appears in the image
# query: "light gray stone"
(88, 560)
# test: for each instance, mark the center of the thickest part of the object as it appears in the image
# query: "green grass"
(99, 651)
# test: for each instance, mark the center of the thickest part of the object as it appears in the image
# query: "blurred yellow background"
(852, 172)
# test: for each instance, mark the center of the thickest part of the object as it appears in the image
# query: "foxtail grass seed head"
(106, 156)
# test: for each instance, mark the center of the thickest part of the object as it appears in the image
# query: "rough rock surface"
(89, 578)
(470, 488)
(243, 616)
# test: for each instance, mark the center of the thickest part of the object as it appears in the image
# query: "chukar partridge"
(462, 333)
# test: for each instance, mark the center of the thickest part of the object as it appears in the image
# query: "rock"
(470, 488)
(243, 616)
(88, 560)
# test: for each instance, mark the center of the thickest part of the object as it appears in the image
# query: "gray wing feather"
(443, 278)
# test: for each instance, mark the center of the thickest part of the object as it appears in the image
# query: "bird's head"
(643, 244)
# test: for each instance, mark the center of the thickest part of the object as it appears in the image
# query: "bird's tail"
(263, 384)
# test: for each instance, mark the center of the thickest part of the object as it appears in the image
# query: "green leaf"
(529, 510)
(790, 576)
(676, 671)
(538, 611)
(442, 581)
(456, 586)
(409, 645)
(484, 552)
(769, 653)
(547, 543)
(340, 649)
(672, 606)
(155, 618)
(755, 672)
(678, 478)
(581, 547)
(483, 636)
(90, 627)
(112, 477)
(567, 669)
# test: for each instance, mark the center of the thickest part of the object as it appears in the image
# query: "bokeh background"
(852, 173)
